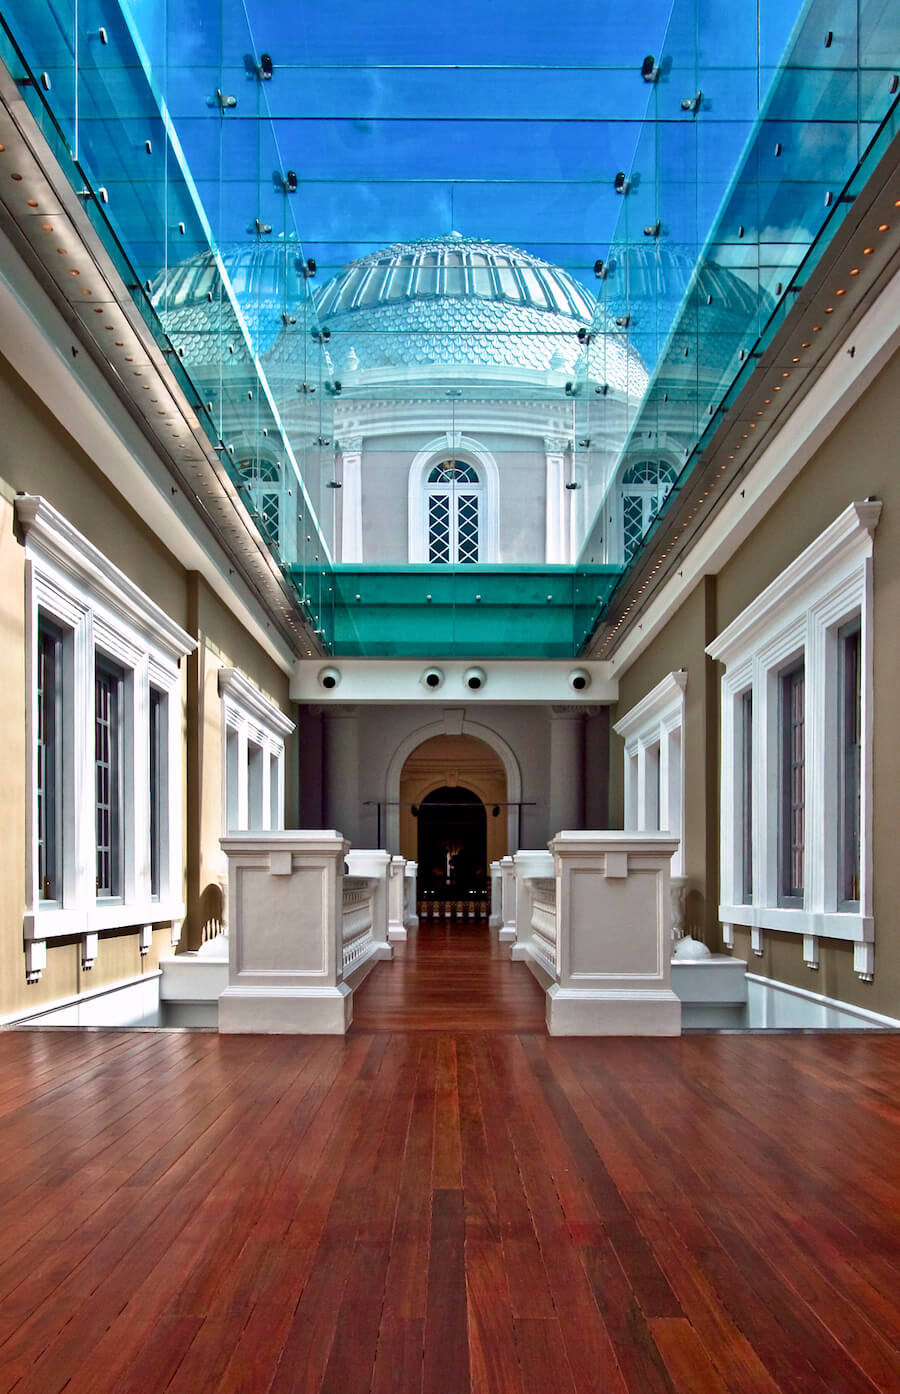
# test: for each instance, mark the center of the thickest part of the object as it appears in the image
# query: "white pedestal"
(614, 928)
(285, 934)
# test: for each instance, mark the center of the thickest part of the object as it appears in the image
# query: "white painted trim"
(653, 731)
(455, 723)
(847, 540)
(472, 452)
(79, 999)
(98, 608)
(257, 724)
(240, 693)
(47, 531)
(799, 614)
(786, 991)
(840, 385)
(655, 706)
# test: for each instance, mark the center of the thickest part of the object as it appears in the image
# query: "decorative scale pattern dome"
(454, 303)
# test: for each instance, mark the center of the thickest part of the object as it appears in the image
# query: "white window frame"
(800, 614)
(99, 609)
(653, 732)
(252, 722)
(454, 446)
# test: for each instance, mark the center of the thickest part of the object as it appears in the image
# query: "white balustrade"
(543, 922)
(359, 894)
(410, 903)
(496, 919)
(397, 900)
(507, 900)
(375, 866)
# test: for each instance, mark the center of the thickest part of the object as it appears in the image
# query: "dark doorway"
(452, 844)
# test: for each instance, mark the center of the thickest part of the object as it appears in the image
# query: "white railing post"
(614, 936)
(410, 909)
(396, 900)
(374, 863)
(528, 866)
(507, 900)
(285, 919)
(496, 919)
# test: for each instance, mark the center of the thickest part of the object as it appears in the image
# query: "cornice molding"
(234, 686)
(659, 702)
(49, 535)
(848, 538)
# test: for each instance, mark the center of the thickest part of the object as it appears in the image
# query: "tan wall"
(37, 456)
(861, 459)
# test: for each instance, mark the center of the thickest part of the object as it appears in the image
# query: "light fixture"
(329, 678)
(432, 678)
(579, 679)
(474, 679)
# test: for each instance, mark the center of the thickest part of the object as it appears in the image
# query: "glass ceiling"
(568, 232)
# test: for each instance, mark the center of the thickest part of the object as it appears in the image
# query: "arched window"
(453, 491)
(264, 479)
(643, 489)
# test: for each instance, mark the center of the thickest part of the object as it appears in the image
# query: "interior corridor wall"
(38, 456)
(859, 460)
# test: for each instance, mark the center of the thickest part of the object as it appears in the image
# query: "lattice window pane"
(467, 528)
(439, 528)
(453, 472)
(269, 513)
(632, 524)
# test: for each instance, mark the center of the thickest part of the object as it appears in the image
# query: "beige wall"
(37, 456)
(861, 459)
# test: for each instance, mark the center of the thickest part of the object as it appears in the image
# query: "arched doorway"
(452, 844)
(453, 796)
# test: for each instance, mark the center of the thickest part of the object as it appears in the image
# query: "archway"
(423, 759)
(451, 847)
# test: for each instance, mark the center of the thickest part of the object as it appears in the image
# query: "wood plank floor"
(448, 1211)
(452, 975)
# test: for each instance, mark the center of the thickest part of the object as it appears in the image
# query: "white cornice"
(47, 533)
(234, 686)
(658, 702)
(849, 537)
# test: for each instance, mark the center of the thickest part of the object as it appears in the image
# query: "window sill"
(62, 922)
(826, 924)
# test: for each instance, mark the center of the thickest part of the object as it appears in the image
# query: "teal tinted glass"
(544, 246)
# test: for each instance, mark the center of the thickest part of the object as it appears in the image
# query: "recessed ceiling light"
(816, 328)
(867, 251)
(17, 177)
(882, 227)
(48, 227)
(32, 203)
(840, 291)
(855, 271)
(829, 309)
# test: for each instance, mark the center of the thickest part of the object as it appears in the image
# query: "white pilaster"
(557, 544)
(351, 501)
(507, 900)
(496, 919)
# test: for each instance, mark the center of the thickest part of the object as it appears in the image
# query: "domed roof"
(266, 280)
(460, 303)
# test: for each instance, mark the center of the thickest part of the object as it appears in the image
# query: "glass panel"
(793, 783)
(850, 746)
(406, 232)
(158, 752)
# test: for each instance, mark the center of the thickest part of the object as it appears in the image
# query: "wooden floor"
(442, 1212)
(452, 975)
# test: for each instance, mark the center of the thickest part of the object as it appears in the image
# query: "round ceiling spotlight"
(329, 678)
(579, 679)
(475, 679)
(433, 678)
